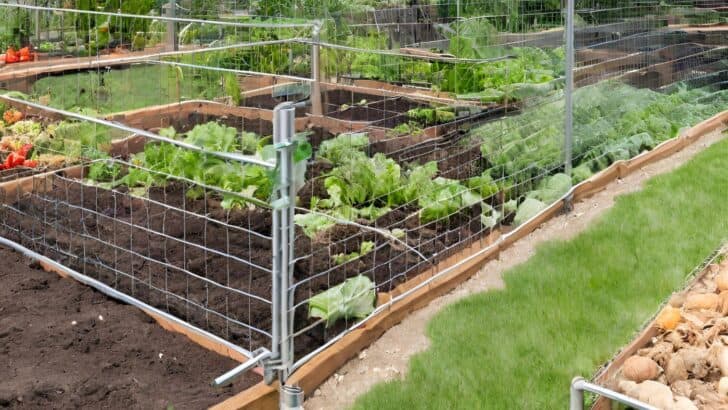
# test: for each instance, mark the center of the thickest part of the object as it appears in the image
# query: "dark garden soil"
(386, 112)
(347, 105)
(180, 260)
(65, 345)
(204, 264)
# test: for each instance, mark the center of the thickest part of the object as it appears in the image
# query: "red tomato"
(24, 150)
(11, 56)
(13, 160)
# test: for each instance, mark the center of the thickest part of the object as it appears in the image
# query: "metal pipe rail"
(579, 386)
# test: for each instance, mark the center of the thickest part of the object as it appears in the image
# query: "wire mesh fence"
(185, 256)
(430, 128)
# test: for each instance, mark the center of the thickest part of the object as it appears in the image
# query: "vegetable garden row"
(160, 177)
(145, 217)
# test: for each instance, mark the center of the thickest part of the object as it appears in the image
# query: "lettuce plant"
(352, 299)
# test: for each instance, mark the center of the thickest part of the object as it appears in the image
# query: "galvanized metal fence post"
(283, 252)
(172, 43)
(36, 19)
(316, 108)
(569, 87)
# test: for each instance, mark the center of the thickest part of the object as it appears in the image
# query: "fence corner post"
(316, 108)
(283, 233)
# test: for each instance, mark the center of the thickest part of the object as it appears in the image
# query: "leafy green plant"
(406, 128)
(103, 171)
(483, 184)
(352, 299)
(363, 181)
(342, 258)
(432, 116)
(312, 223)
(481, 80)
(443, 198)
(68, 138)
(343, 147)
(232, 88)
(613, 121)
(46, 47)
(527, 210)
(243, 183)
(552, 188)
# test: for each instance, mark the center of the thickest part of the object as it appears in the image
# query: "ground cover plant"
(572, 305)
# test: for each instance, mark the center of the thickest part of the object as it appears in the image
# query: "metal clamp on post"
(291, 398)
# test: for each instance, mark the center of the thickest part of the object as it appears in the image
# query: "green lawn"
(126, 89)
(571, 306)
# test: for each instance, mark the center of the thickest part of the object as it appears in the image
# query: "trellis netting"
(413, 133)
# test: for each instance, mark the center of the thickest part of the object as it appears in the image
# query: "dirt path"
(64, 345)
(388, 357)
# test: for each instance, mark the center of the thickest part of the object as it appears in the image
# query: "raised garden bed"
(189, 257)
(66, 345)
(52, 148)
(177, 248)
(384, 136)
(211, 266)
(702, 63)
(679, 357)
(416, 292)
(172, 253)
